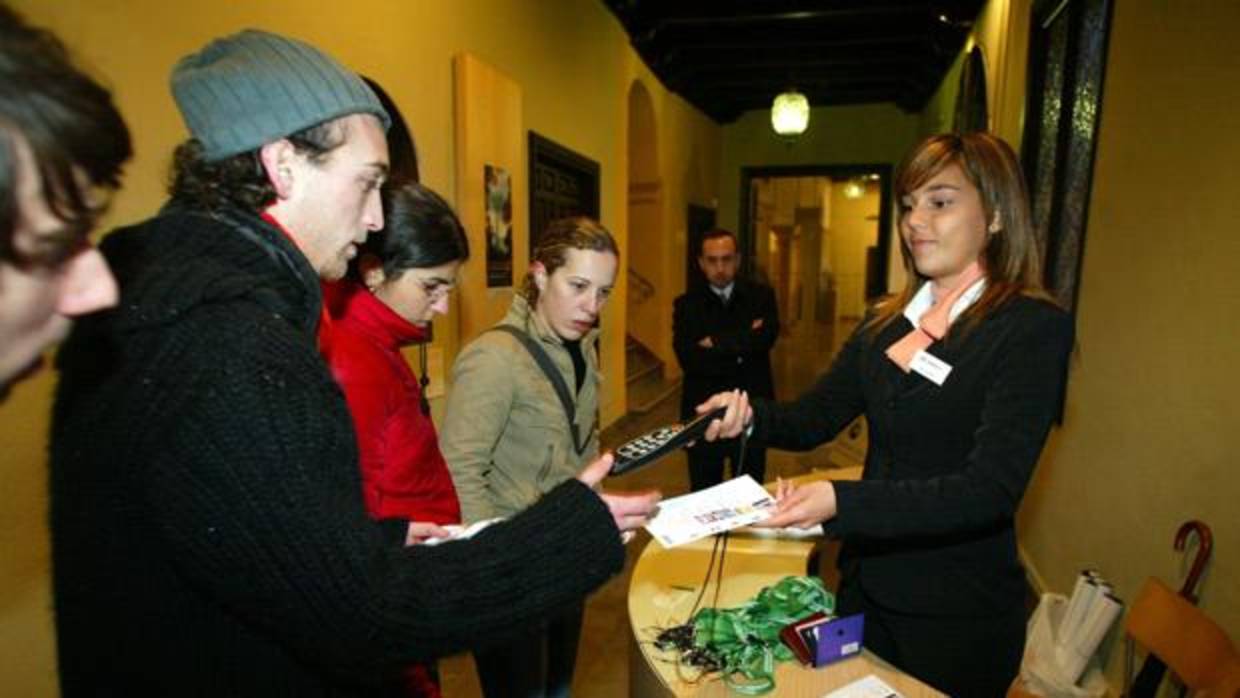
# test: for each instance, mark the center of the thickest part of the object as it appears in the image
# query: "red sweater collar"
(355, 309)
(266, 215)
(325, 318)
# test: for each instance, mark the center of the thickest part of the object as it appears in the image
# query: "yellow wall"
(1150, 438)
(27, 657)
(574, 66)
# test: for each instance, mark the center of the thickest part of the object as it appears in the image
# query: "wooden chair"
(1192, 645)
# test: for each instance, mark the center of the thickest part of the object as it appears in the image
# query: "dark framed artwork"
(562, 183)
(498, 190)
(1067, 62)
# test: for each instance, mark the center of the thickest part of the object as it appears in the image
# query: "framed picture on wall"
(498, 198)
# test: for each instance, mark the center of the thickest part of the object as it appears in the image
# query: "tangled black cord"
(680, 637)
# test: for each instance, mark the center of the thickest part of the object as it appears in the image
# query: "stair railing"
(642, 289)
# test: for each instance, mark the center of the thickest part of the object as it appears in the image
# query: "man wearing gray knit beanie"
(208, 530)
(282, 128)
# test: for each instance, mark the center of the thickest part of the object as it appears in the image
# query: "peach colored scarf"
(934, 322)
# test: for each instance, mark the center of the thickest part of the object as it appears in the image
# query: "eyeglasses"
(436, 289)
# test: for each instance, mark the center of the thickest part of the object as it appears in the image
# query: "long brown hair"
(1011, 259)
(580, 233)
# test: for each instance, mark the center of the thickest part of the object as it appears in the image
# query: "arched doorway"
(649, 326)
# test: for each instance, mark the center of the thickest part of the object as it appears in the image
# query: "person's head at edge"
(719, 257)
(412, 264)
(572, 272)
(962, 198)
(281, 129)
(62, 147)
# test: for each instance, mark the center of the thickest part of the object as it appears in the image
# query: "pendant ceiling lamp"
(790, 113)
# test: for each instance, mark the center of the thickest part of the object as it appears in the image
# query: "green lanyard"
(746, 640)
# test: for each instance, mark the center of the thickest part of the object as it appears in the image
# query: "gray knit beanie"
(249, 89)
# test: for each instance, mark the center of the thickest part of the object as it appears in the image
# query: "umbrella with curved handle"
(1146, 683)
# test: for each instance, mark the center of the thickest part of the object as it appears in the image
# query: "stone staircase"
(647, 386)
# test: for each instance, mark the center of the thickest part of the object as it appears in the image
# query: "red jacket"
(403, 473)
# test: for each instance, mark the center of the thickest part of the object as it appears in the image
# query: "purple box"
(839, 639)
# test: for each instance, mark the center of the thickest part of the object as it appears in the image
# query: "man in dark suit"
(723, 332)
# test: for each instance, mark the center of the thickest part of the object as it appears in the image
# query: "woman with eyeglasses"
(399, 282)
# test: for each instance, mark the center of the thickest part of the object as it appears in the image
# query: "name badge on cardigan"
(931, 367)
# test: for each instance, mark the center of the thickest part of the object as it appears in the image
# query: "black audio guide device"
(653, 445)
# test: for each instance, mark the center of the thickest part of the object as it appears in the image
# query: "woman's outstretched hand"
(804, 506)
(734, 421)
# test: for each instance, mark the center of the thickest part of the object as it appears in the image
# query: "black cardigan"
(209, 535)
(929, 529)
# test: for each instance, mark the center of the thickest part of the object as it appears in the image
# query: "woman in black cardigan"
(959, 376)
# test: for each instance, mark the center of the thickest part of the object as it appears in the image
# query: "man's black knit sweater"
(209, 535)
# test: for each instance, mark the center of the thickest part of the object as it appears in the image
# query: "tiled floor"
(602, 658)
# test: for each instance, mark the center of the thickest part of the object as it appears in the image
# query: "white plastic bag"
(1040, 673)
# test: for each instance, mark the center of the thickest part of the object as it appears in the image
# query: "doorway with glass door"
(822, 237)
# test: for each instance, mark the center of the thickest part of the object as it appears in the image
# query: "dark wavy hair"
(240, 180)
(69, 123)
(420, 230)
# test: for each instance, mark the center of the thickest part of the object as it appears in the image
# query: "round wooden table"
(666, 583)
